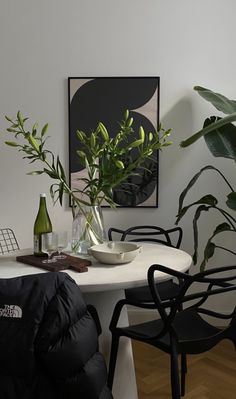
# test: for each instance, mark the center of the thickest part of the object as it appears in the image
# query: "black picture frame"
(95, 99)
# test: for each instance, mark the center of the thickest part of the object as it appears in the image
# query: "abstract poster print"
(94, 100)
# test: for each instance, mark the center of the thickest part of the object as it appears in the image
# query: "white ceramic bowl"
(115, 252)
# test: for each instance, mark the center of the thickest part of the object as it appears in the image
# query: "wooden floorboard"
(211, 375)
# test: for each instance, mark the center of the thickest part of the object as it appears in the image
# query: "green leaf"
(206, 199)
(219, 101)
(190, 184)
(126, 114)
(222, 141)
(33, 142)
(9, 129)
(12, 144)
(44, 130)
(34, 129)
(197, 215)
(221, 122)
(61, 192)
(8, 119)
(150, 136)
(81, 154)
(141, 133)
(103, 131)
(119, 164)
(53, 192)
(20, 118)
(136, 143)
(36, 172)
(51, 173)
(221, 227)
(60, 169)
(92, 140)
(80, 135)
(231, 201)
(129, 122)
(208, 253)
(210, 246)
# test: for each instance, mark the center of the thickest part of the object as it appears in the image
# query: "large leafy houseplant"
(109, 161)
(220, 136)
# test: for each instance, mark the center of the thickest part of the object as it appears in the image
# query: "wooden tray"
(70, 262)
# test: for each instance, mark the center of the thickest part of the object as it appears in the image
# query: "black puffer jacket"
(48, 341)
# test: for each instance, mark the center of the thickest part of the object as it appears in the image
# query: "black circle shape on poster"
(105, 100)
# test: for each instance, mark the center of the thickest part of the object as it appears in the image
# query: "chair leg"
(183, 372)
(174, 372)
(234, 342)
(112, 362)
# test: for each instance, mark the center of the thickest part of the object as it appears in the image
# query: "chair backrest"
(213, 282)
(170, 237)
(8, 241)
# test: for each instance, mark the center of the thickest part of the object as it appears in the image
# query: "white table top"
(102, 277)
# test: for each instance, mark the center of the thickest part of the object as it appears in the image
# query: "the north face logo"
(11, 311)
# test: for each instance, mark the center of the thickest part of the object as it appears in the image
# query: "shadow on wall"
(180, 119)
(173, 173)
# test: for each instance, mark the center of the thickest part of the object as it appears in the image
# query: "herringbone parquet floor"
(211, 375)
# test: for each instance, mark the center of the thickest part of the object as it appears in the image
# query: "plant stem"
(227, 216)
(225, 249)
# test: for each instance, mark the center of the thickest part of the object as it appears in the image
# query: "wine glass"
(62, 244)
(49, 246)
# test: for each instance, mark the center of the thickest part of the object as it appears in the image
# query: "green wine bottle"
(42, 225)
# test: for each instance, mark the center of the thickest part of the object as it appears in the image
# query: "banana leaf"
(191, 183)
(218, 124)
(197, 215)
(210, 246)
(219, 101)
(205, 200)
(231, 201)
(222, 141)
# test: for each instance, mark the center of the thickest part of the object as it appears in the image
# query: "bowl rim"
(135, 246)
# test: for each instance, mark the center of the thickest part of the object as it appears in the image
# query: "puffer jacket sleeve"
(67, 346)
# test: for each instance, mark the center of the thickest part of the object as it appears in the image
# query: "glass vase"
(87, 229)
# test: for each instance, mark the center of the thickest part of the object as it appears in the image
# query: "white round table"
(103, 285)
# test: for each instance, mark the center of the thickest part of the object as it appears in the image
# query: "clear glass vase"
(87, 229)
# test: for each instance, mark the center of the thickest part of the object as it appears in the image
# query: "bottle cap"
(42, 195)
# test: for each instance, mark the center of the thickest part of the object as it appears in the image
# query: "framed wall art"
(105, 99)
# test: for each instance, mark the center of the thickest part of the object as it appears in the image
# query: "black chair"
(8, 241)
(178, 330)
(171, 237)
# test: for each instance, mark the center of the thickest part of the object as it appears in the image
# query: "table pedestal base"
(124, 386)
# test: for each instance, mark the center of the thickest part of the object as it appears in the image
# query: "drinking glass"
(62, 244)
(49, 246)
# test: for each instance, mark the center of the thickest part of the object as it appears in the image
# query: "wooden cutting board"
(70, 262)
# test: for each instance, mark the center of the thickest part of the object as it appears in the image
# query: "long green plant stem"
(103, 156)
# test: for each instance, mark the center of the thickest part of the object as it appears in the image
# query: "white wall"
(43, 42)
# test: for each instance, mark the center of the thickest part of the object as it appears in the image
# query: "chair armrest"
(167, 270)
